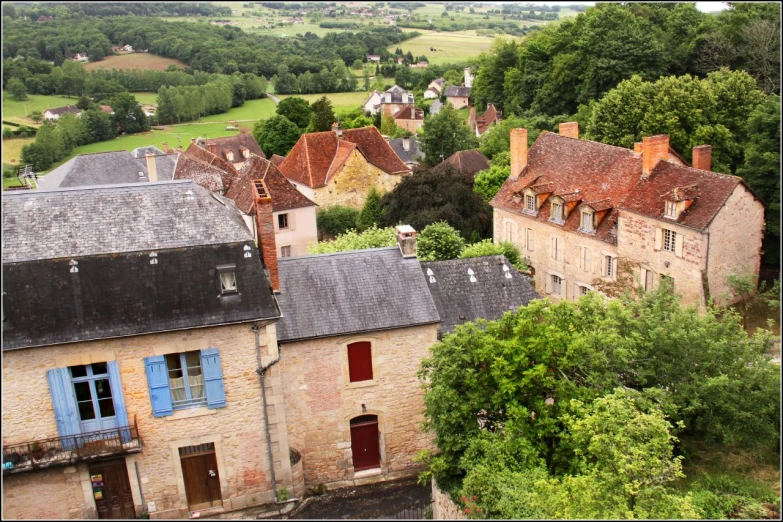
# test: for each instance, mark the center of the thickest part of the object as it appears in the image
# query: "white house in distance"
(468, 78)
(54, 114)
(79, 57)
(372, 103)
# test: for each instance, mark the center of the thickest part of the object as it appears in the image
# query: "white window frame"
(669, 240)
(557, 212)
(285, 251)
(530, 242)
(189, 401)
(530, 203)
(228, 280)
(557, 284)
(671, 210)
(609, 267)
(587, 220)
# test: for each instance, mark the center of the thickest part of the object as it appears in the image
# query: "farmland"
(251, 110)
(451, 47)
(342, 102)
(15, 111)
(134, 61)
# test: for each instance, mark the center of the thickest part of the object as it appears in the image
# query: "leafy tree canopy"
(373, 237)
(444, 134)
(295, 109)
(323, 115)
(439, 242)
(277, 135)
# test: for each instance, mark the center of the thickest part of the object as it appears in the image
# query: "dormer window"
(245, 153)
(671, 210)
(586, 223)
(230, 156)
(228, 279)
(530, 203)
(557, 212)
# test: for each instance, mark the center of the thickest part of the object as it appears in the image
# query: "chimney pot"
(406, 240)
(165, 146)
(518, 151)
(152, 168)
(702, 157)
(406, 144)
(570, 129)
(654, 149)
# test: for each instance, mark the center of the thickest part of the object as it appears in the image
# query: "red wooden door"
(365, 443)
(111, 490)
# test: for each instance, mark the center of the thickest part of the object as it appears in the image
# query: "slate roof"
(142, 152)
(396, 94)
(610, 178)
(107, 168)
(409, 113)
(351, 292)
(62, 110)
(284, 194)
(234, 144)
(133, 217)
(435, 108)
(318, 155)
(491, 295)
(467, 162)
(452, 91)
(412, 155)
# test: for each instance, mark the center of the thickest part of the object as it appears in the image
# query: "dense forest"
(70, 10)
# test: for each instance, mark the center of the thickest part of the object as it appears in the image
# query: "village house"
(79, 57)
(431, 93)
(107, 109)
(353, 402)
(458, 97)
(234, 149)
(394, 99)
(437, 84)
(46, 18)
(134, 319)
(128, 48)
(373, 57)
(409, 118)
(481, 124)
(466, 162)
(590, 216)
(421, 64)
(54, 114)
(373, 102)
(339, 167)
(407, 149)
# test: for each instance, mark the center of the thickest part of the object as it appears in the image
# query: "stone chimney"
(266, 232)
(570, 129)
(518, 151)
(637, 147)
(337, 129)
(192, 140)
(654, 149)
(212, 147)
(702, 157)
(406, 240)
(406, 143)
(165, 147)
(152, 168)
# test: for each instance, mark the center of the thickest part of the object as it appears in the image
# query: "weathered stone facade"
(236, 430)
(351, 184)
(321, 401)
(443, 508)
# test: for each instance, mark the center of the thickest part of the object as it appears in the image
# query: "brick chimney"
(654, 149)
(702, 157)
(266, 232)
(518, 151)
(406, 240)
(336, 128)
(637, 147)
(152, 168)
(570, 129)
(212, 147)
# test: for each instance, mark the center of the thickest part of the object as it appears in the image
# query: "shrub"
(336, 220)
(373, 237)
(438, 242)
(487, 248)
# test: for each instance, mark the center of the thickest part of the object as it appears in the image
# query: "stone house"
(481, 124)
(409, 118)
(407, 149)
(591, 216)
(79, 57)
(458, 97)
(431, 93)
(355, 328)
(373, 103)
(394, 99)
(466, 162)
(234, 149)
(54, 114)
(129, 360)
(339, 167)
(437, 84)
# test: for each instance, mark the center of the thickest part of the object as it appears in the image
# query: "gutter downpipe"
(261, 372)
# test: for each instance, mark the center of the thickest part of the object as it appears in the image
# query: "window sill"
(189, 413)
(361, 384)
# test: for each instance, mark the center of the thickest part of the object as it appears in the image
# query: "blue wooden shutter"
(158, 380)
(65, 412)
(213, 378)
(119, 400)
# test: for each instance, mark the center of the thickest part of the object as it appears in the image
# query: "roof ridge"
(27, 193)
(307, 161)
(341, 253)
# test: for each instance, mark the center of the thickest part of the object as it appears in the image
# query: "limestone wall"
(443, 508)
(297, 477)
(321, 401)
(350, 185)
(237, 430)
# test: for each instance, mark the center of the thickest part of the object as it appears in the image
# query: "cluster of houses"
(54, 114)
(170, 349)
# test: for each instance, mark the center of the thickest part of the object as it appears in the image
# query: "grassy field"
(342, 102)
(147, 98)
(133, 61)
(15, 110)
(451, 47)
(12, 150)
(251, 110)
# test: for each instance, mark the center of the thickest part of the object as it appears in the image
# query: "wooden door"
(365, 443)
(111, 489)
(202, 481)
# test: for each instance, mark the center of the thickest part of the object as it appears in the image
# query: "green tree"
(36, 116)
(295, 109)
(371, 211)
(761, 169)
(83, 103)
(97, 126)
(128, 117)
(438, 242)
(336, 219)
(373, 237)
(277, 135)
(71, 128)
(488, 83)
(17, 89)
(444, 134)
(323, 116)
(487, 182)
(284, 81)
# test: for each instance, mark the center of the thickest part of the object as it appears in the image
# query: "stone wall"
(297, 477)
(409, 125)
(321, 401)
(458, 102)
(237, 430)
(350, 185)
(51, 494)
(443, 508)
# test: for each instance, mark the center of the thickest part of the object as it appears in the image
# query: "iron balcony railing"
(65, 451)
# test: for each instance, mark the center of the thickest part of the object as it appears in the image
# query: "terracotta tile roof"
(202, 173)
(284, 195)
(490, 117)
(277, 159)
(468, 162)
(106, 108)
(196, 151)
(344, 149)
(609, 178)
(409, 113)
(315, 156)
(681, 193)
(234, 144)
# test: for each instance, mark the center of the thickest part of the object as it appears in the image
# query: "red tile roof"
(409, 113)
(610, 178)
(318, 155)
(234, 144)
(277, 159)
(490, 116)
(468, 162)
(204, 155)
(284, 195)
(202, 173)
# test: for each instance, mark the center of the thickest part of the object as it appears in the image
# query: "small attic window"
(530, 203)
(245, 153)
(228, 279)
(587, 221)
(671, 211)
(557, 212)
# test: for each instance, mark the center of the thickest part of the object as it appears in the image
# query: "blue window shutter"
(64, 403)
(158, 380)
(118, 398)
(213, 378)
